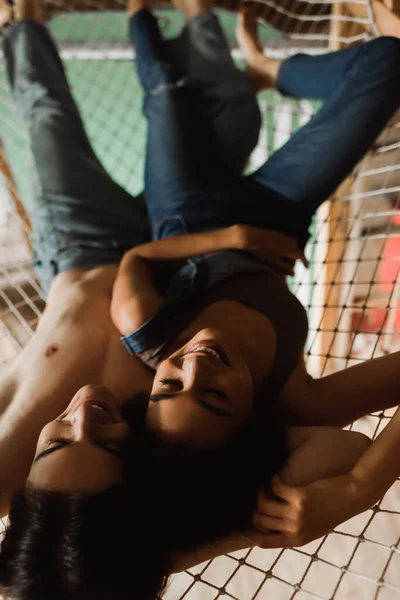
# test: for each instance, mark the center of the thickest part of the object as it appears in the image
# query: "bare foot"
(29, 9)
(263, 71)
(192, 8)
(135, 5)
(5, 13)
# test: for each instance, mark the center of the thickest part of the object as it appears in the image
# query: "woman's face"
(79, 451)
(202, 393)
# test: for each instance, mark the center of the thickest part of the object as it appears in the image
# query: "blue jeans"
(188, 186)
(81, 218)
(199, 61)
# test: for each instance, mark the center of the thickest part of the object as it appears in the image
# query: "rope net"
(351, 290)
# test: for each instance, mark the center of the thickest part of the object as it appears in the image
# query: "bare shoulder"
(298, 436)
(296, 392)
(317, 452)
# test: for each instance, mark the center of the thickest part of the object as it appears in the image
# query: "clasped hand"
(300, 515)
(272, 247)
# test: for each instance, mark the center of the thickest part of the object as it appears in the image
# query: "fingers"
(271, 508)
(297, 255)
(265, 523)
(292, 528)
(291, 494)
(285, 265)
(280, 264)
(285, 268)
(291, 249)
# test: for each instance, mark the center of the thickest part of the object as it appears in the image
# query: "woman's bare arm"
(316, 452)
(311, 511)
(135, 297)
(343, 397)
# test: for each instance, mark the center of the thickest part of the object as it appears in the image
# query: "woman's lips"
(215, 350)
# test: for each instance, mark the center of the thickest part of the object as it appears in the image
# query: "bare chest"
(74, 348)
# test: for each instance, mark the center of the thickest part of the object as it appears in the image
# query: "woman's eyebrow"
(55, 448)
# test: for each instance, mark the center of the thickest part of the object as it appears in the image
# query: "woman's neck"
(252, 330)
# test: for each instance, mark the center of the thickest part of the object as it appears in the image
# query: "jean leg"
(152, 59)
(184, 173)
(75, 202)
(360, 88)
(225, 93)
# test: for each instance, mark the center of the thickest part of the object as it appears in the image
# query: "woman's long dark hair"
(195, 495)
(64, 547)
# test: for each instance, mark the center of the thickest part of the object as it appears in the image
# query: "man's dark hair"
(71, 547)
(61, 546)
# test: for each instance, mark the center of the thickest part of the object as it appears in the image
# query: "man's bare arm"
(8, 387)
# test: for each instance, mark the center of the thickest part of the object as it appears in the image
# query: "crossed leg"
(359, 91)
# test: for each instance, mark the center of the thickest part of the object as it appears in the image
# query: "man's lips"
(212, 349)
(105, 407)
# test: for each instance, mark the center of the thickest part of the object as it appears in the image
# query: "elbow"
(358, 443)
(122, 318)
(115, 314)
(361, 440)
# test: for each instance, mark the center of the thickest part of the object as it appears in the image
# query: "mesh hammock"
(351, 291)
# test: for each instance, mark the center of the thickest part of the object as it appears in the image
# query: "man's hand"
(272, 247)
(304, 513)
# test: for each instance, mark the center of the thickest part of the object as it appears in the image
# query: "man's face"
(79, 451)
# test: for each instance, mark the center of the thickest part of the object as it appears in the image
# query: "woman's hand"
(272, 247)
(305, 513)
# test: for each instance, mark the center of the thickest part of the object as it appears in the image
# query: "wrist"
(363, 493)
(239, 236)
(129, 259)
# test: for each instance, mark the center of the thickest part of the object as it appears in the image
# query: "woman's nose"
(196, 369)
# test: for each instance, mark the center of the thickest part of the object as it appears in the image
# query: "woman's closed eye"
(202, 391)
(171, 382)
(113, 447)
(177, 383)
(171, 388)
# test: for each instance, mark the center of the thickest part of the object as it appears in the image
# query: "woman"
(63, 442)
(222, 333)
